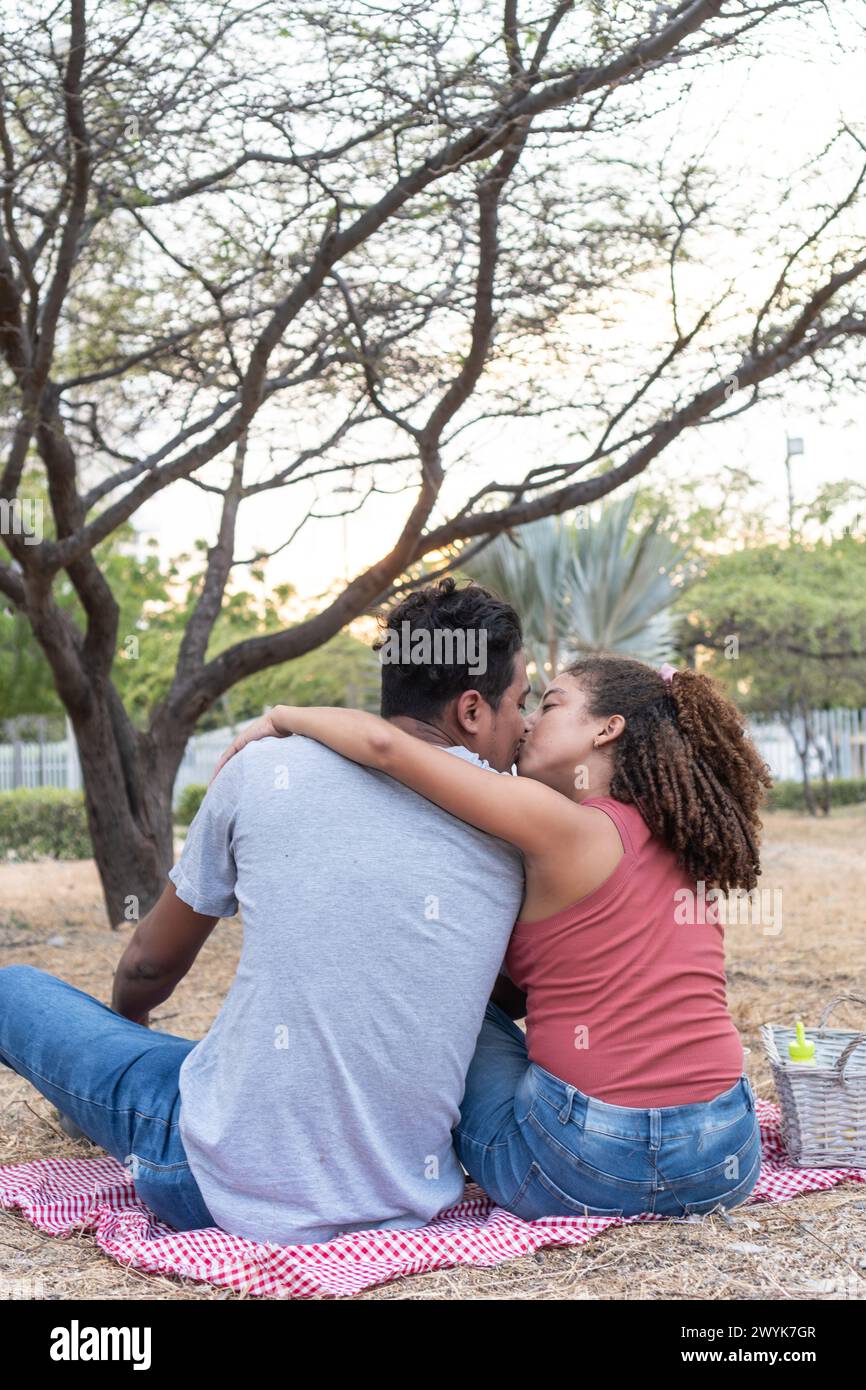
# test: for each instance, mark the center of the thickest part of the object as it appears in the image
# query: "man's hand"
(143, 1019)
(260, 728)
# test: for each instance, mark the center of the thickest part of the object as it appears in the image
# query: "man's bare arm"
(162, 949)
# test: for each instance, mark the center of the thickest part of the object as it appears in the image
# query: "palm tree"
(533, 570)
(604, 585)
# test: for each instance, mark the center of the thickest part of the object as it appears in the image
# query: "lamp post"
(350, 488)
(792, 447)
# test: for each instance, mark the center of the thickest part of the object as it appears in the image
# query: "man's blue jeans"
(540, 1147)
(116, 1079)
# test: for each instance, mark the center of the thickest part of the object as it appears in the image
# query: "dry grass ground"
(51, 916)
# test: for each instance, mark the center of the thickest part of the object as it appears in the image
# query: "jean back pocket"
(726, 1183)
(539, 1196)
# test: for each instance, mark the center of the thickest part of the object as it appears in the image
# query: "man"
(323, 1098)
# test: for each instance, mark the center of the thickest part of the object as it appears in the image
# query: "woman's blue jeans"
(116, 1079)
(540, 1147)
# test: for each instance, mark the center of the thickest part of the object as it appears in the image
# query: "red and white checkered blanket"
(60, 1195)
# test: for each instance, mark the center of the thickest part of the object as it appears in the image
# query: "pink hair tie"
(666, 671)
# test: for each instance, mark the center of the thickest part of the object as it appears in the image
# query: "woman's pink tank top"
(625, 989)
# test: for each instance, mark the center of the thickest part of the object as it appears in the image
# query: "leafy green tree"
(345, 671)
(589, 584)
(266, 250)
(155, 601)
(784, 627)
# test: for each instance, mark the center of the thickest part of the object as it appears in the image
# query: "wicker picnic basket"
(823, 1108)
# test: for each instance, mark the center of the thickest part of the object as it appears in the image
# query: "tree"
(141, 587)
(154, 604)
(588, 584)
(533, 569)
(155, 607)
(784, 628)
(272, 251)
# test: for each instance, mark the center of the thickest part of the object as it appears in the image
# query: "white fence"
(52, 764)
(841, 734)
(201, 756)
(56, 764)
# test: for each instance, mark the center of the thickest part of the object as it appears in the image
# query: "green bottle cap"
(801, 1050)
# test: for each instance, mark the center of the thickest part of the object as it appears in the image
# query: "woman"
(638, 793)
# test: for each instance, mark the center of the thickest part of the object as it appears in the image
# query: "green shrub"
(188, 802)
(40, 821)
(845, 791)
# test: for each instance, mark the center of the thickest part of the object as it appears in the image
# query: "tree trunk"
(825, 778)
(812, 742)
(133, 860)
(825, 781)
(803, 755)
(809, 795)
(128, 783)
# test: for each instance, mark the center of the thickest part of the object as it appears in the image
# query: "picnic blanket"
(61, 1195)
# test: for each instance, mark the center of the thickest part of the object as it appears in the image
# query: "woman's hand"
(266, 727)
(366, 738)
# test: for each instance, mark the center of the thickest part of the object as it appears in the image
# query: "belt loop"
(565, 1113)
(750, 1099)
(655, 1128)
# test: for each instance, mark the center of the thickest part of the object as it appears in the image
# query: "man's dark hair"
(422, 689)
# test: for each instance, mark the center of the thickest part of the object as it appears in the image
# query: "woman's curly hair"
(685, 760)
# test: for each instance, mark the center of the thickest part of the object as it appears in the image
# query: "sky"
(769, 111)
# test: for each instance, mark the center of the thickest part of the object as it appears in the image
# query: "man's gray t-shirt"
(323, 1097)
